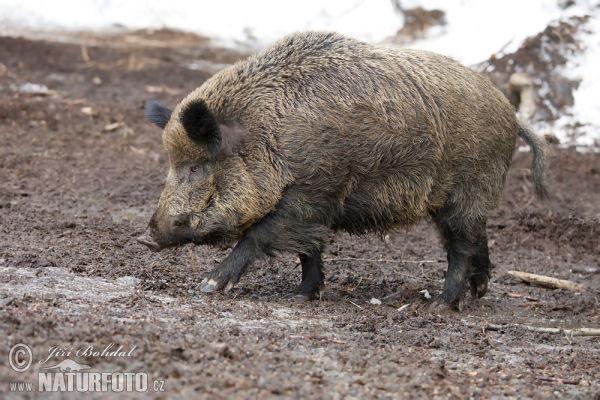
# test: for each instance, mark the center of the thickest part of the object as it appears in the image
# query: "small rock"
(34, 88)
(89, 111)
(426, 294)
(163, 89)
(375, 301)
(113, 126)
(97, 81)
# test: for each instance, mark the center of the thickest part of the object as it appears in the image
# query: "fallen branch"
(541, 329)
(547, 281)
(381, 260)
(559, 380)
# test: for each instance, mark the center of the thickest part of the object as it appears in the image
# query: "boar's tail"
(539, 163)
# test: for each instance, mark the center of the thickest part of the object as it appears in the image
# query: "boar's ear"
(158, 114)
(201, 126)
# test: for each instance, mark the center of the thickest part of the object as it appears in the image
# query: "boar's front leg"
(276, 233)
(229, 271)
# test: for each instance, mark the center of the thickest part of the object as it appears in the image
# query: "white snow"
(230, 21)
(476, 29)
(587, 102)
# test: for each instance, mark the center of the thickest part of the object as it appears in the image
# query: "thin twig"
(354, 288)
(381, 260)
(522, 296)
(559, 380)
(131, 63)
(192, 260)
(161, 260)
(541, 329)
(84, 54)
(353, 303)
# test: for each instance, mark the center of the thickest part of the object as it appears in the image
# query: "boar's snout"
(166, 231)
(147, 240)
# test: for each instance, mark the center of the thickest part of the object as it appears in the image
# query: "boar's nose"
(148, 241)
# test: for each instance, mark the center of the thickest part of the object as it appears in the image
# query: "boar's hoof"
(317, 294)
(478, 289)
(439, 307)
(297, 297)
(208, 286)
(479, 285)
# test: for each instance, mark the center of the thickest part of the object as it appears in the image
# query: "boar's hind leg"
(480, 264)
(461, 240)
(312, 285)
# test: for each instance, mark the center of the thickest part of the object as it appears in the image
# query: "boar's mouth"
(218, 239)
(149, 241)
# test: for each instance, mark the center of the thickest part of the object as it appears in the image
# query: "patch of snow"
(229, 21)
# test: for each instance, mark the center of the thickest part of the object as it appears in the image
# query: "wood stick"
(353, 303)
(558, 380)
(522, 296)
(541, 329)
(192, 260)
(547, 281)
(380, 260)
(84, 54)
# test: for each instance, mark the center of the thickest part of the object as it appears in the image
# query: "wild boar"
(321, 132)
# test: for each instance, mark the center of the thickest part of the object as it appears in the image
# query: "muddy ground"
(80, 173)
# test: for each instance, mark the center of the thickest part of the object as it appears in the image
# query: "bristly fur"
(201, 126)
(157, 114)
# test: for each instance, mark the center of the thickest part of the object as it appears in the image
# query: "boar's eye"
(196, 173)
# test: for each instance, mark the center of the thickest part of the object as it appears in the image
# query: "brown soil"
(80, 173)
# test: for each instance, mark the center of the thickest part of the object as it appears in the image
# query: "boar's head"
(196, 205)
